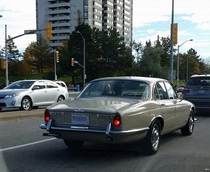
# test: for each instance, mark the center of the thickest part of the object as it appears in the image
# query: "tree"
(151, 63)
(14, 58)
(40, 56)
(27, 69)
(105, 53)
(117, 57)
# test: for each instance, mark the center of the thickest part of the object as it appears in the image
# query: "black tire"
(0, 109)
(151, 143)
(35, 107)
(73, 143)
(60, 98)
(189, 127)
(26, 103)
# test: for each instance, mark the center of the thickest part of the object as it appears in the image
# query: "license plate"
(201, 91)
(80, 118)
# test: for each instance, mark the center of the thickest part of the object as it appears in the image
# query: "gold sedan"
(120, 110)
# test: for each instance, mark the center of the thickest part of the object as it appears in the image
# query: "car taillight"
(186, 90)
(46, 116)
(117, 121)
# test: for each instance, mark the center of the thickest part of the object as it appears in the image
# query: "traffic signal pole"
(6, 53)
(48, 28)
(172, 44)
(55, 65)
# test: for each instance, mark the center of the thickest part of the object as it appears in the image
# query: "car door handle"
(162, 104)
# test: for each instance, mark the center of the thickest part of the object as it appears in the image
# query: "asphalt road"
(24, 149)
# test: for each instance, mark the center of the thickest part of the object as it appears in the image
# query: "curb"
(18, 115)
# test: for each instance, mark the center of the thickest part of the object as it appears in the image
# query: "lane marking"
(24, 145)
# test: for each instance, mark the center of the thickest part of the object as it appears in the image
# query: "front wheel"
(189, 127)
(26, 103)
(151, 143)
(73, 143)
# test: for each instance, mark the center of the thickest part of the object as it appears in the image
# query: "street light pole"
(84, 75)
(6, 58)
(187, 70)
(177, 82)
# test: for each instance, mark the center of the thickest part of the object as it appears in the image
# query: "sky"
(151, 18)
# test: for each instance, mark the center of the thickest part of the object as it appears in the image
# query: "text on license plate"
(78, 118)
(201, 91)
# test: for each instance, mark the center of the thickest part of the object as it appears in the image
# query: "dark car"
(2, 86)
(197, 91)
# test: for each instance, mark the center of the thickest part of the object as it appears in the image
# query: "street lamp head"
(1, 16)
(191, 40)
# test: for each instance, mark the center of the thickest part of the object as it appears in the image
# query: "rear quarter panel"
(140, 115)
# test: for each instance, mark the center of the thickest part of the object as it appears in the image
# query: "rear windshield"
(199, 81)
(117, 88)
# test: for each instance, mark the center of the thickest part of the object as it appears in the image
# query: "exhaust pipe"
(49, 134)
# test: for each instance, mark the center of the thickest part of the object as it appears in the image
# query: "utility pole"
(172, 43)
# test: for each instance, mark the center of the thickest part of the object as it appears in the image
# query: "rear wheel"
(26, 103)
(151, 143)
(73, 143)
(189, 127)
(60, 98)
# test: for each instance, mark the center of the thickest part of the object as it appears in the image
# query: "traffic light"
(3, 64)
(175, 33)
(48, 28)
(72, 61)
(57, 56)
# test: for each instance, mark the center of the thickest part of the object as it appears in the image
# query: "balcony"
(56, 5)
(57, 11)
(57, 18)
(61, 24)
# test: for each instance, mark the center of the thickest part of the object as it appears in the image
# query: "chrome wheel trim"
(191, 123)
(26, 104)
(155, 137)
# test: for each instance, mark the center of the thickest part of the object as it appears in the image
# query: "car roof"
(135, 78)
(35, 80)
(202, 75)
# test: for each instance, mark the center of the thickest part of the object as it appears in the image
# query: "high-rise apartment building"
(102, 14)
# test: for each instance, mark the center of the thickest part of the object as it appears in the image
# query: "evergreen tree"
(14, 58)
(41, 56)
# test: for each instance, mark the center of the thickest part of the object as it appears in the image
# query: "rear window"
(199, 81)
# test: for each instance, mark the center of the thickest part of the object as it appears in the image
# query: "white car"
(61, 83)
(28, 94)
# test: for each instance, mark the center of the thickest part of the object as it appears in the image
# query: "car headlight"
(12, 95)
